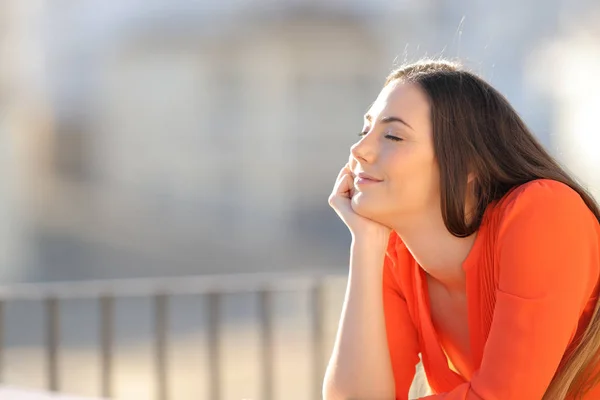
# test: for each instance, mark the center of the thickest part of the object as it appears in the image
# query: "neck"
(437, 251)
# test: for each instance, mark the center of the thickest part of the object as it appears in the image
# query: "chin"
(366, 207)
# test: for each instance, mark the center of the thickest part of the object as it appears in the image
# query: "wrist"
(371, 239)
(367, 257)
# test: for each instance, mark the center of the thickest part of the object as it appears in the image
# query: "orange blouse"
(532, 284)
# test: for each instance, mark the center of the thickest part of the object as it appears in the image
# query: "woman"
(487, 249)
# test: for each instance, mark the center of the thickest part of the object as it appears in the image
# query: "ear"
(471, 177)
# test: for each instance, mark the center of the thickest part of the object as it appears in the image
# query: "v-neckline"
(432, 339)
(434, 348)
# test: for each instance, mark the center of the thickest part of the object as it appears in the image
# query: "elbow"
(332, 390)
(329, 393)
(336, 389)
(336, 392)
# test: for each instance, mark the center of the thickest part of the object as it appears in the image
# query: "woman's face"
(396, 150)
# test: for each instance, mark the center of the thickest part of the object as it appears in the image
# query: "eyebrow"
(389, 119)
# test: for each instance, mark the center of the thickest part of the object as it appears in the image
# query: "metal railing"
(161, 290)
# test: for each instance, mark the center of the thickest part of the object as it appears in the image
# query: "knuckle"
(330, 199)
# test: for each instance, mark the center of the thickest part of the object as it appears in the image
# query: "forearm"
(360, 365)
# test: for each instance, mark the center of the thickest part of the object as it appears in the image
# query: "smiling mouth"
(361, 181)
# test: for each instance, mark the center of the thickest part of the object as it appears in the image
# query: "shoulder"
(543, 190)
(547, 240)
(544, 202)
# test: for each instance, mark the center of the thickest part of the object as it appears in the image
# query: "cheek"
(415, 180)
(410, 166)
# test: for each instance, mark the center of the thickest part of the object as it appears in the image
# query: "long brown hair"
(476, 130)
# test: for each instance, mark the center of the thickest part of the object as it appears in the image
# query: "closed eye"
(394, 138)
(390, 137)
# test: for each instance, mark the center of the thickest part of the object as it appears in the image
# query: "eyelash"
(394, 138)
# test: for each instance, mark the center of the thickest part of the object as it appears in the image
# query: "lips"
(365, 176)
(362, 179)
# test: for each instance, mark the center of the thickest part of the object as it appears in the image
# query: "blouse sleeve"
(547, 250)
(402, 336)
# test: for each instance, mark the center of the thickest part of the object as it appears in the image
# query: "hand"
(341, 201)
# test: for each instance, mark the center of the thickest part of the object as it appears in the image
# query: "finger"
(340, 188)
(343, 171)
(351, 162)
(342, 193)
(345, 186)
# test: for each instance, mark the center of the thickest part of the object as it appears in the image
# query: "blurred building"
(188, 137)
(25, 134)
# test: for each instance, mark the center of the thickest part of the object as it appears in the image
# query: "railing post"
(266, 337)
(161, 322)
(106, 344)
(214, 354)
(318, 337)
(2, 325)
(52, 339)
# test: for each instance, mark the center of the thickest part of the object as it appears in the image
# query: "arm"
(361, 366)
(548, 259)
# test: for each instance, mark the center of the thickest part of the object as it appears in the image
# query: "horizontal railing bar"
(134, 287)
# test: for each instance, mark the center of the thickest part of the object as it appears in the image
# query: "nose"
(364, 149)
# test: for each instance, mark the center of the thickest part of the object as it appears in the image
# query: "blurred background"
(154, 155)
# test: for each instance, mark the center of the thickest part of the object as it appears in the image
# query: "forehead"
(404, 100)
